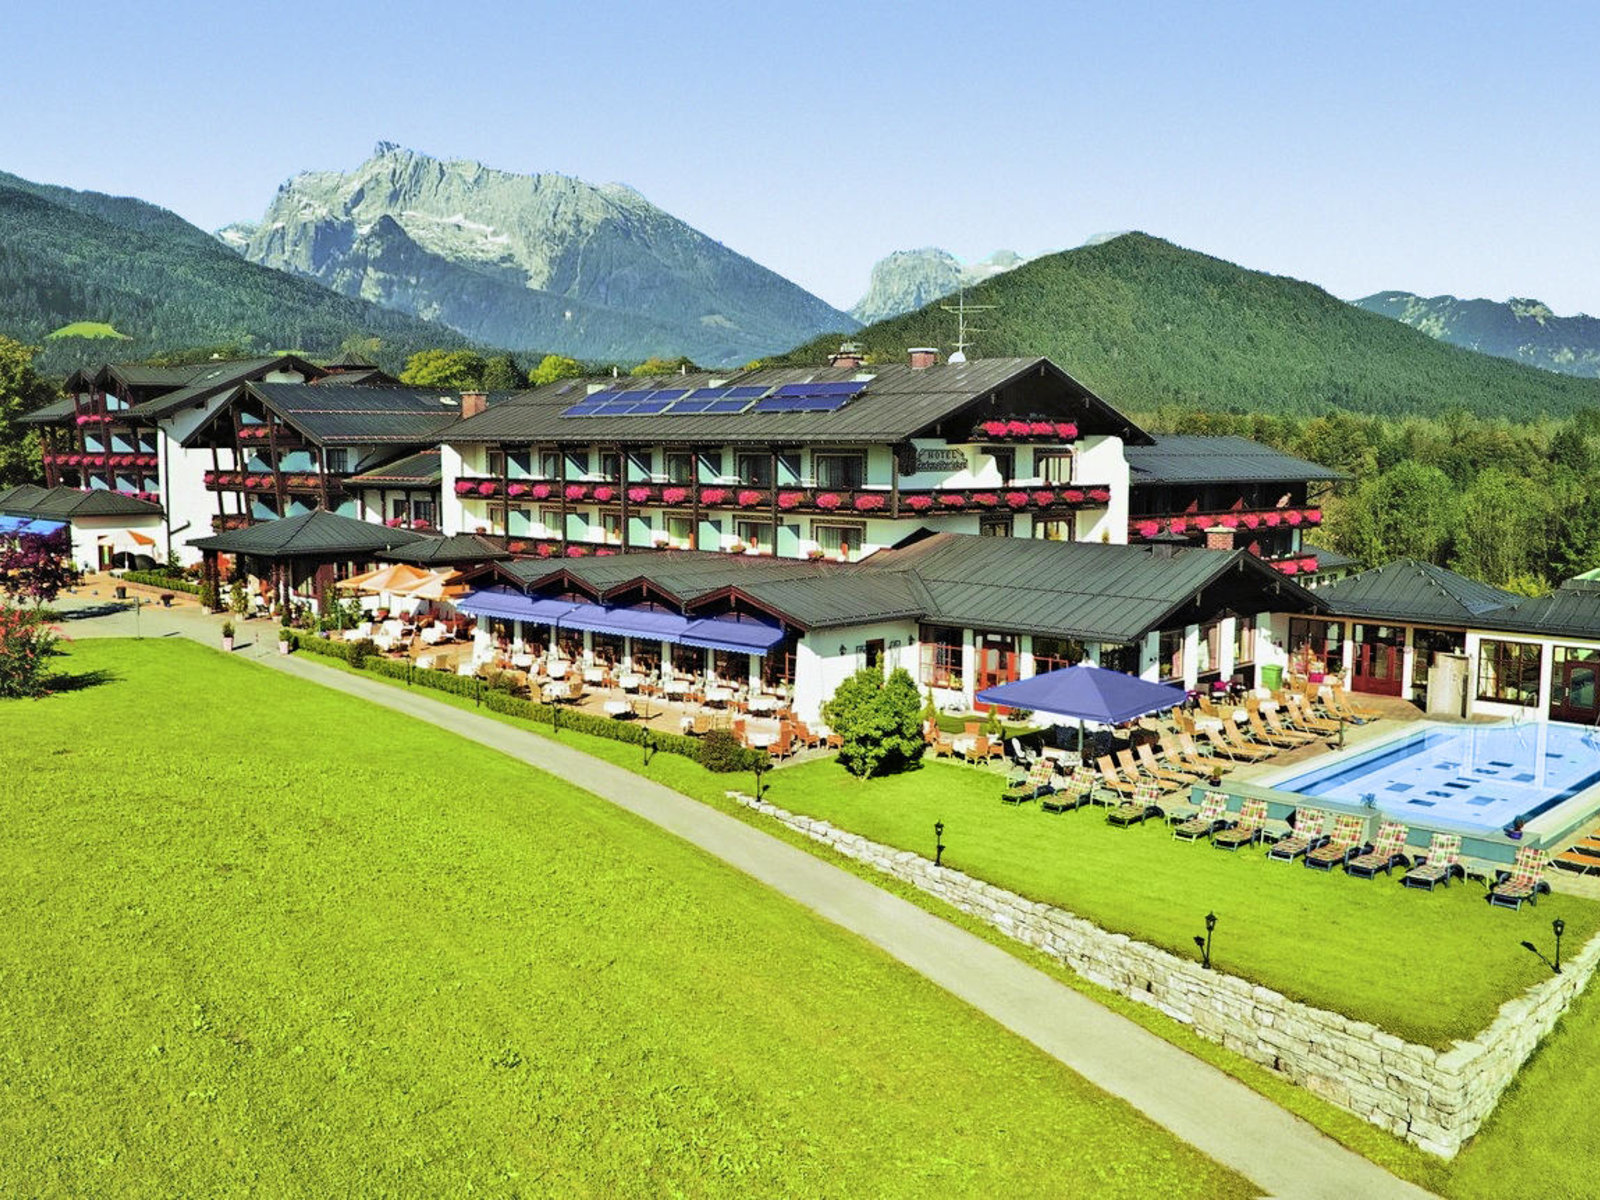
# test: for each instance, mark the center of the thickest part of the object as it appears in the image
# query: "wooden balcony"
(1243, 521)
(265, 482)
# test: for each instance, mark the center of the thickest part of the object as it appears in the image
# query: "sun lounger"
(1275, 723)
(1189, 754)
(1284, 741)
(1031, 786)
(1213, 816)
(1310, 831)
(1167, 771)
(1077, 792)
(1524, 881)
(1301, 717)
(1388, 848)
(1349, 838)
(1229, 733)
(1142, 807)
(1246, 830)
(1582, 857)
(1442, 860)
(1340, 705)
(1112, 781)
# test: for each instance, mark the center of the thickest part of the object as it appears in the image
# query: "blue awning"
(647, 623)
(730, 633)
(12, 524)
(513, 606)
(40, 525)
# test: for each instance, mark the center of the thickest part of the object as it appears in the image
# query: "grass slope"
(166, 284)
(87, 329)
(1429, 966)
(241, 950)
(1146, 323)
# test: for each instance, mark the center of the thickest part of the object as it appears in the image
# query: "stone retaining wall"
(1435, 1099)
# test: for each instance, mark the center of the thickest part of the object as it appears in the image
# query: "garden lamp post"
(1204, 943)
(759, 767)
(1558, 927)
(938, 842)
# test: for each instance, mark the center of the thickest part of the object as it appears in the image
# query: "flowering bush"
(713, 495)
(1044, 498)
(790, 499)
(25, 645)
(750, 496)
(952, 500)
(486, 488)
(829, 501)
(576, 491)
(1148, 529)
(869, 502)
(674, 495)
(918, 503)
(1015, 499)
(638, 495)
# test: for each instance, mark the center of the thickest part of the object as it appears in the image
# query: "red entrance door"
(1379, 657)
(997, 661)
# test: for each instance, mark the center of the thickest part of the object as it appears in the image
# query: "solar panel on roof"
(669, 393)
(708, 393)
(747, 391)
(730, 405)
(650, 407)
(800, 404)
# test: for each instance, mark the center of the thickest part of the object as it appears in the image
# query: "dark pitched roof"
(898, 401)
(31, 501)
(1408, 590)
(216, 378)
(1569, 612)
(1087, 590)
(1327, 560)
(316, 534)
(50, 414)
(421, 469)
(455, 550)
(327, 414)
(1185, 458)
(349, 360)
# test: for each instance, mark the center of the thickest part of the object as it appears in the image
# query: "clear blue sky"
(1426, 146)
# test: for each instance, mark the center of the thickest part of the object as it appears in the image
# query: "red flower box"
(1229, 522)
(543, 550)
(1313, 516)
(576, 491)
(868, 502)
(487, 487)
(1044, 499)
(638, 495)
(517, 489)
(1073, 495)
(1308, 564)
(1067, 430)
(1148, 529)
(985, 499)
(1018, 428)
(790, 499)
(516, 547)
(994, 428)
(713, 495)
(602, 552)
(1289, 568)
(674, 495)
(1100, 495)
(1271, 520)
(1203, 523)
(539, 491)
(1251, 520)
(918, 503)
(1042, 428)
(952, 500)
(1179, 525)
(603, 493)
(750, 496)
(576, 551)
(829, 501)
(463, 486)
(1293, 516)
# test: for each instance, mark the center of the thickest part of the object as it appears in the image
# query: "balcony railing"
(1242, 520)
(843, 501)
(266, 481)
(98, 461)
(1295, 564)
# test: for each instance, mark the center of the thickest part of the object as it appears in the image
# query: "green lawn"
(88, 329)
(259, 937)
(1427, 966)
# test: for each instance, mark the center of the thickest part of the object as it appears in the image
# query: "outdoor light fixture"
(1204, 943)
(938, 842)
(1558, 927)
(757, 768)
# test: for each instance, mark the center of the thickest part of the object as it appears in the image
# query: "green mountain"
(529, 261)
(1525, 331)
(1146, 323)
(81, 259)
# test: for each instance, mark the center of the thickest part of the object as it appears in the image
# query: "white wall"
(189, 505)
(819, 667)
(452, 518)
(1101, 462)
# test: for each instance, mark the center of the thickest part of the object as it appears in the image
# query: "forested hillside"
(69, 257)
(1146, 323)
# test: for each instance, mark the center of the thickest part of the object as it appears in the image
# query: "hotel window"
(519, 520)
(577, 464)
(680, 466)
(611, 527)
(423, 513)
(994, 524)
(1171, 655)
(940, 655)
(1051, 653)
(755, 470)
(839, 470)
(788, 470)
(399, 510)
(1005, 462)
(550, 519)
(679, 530)
(610, 464)
(521, 463)
(1053, 467)
(641, 464)
(1053, 531)
(1508, 672)
(710, 466)
(1120, 658)
(1244, 642)
(1316, 648)
(337, 461)
(755, 533)
(494, 462)
(1209, 649)
(842, 540)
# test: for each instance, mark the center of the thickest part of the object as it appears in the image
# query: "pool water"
(1475, 776)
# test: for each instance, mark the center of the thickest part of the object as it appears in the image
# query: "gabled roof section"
(329, 415)
(1568, 612)
(216, 378)
(458, 549)
(1413, 591)
(422, 469)
(31, 501)
(1195, 459)
(1327, 560)
(316, 534)
(898, 402)
(54, 413)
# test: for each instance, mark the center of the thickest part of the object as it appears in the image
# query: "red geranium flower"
(828, 500)
(952, 500)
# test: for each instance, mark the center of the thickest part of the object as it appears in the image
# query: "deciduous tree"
(453, 370)
(21, 391)
(878, 721)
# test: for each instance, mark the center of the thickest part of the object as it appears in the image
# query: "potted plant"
(227, 637)
(285, 639)
(208, 597)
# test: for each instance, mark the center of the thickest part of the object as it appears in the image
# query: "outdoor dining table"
(760, 741)
(963, 743)
(763, 704)
(593, 674)
(523, 662)
(719, 695)
(675, 687)
(557, 670)
(617, 708)
(629, 683)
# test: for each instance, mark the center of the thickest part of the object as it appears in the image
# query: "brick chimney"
(1219, 539)
(849, 357)
(473, 403)
(923, 356)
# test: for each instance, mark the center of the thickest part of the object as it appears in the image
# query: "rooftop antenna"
(961, 309)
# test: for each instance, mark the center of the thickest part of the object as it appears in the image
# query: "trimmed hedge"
(507, 705)
(157, 580)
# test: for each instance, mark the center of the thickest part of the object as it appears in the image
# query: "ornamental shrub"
(878, 720)
(721, 752)
(26, 642)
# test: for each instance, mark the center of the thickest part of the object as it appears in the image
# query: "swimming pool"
(1479, 777)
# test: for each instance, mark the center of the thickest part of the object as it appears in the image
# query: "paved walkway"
(1238, 1127)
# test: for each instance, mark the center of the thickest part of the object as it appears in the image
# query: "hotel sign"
(937, 461)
